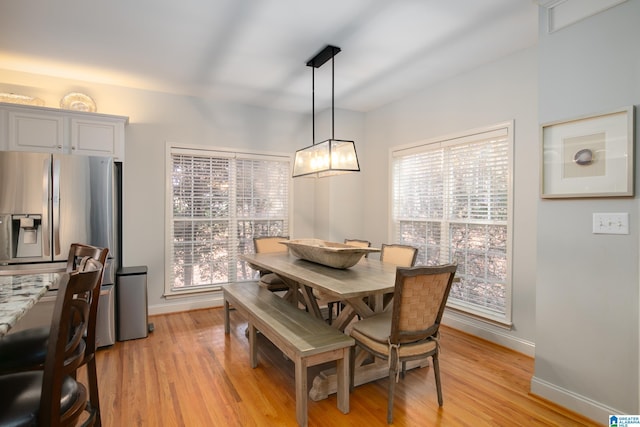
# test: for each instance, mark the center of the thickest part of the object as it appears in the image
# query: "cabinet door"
(97, 137)
(4, 129)
(36, 131)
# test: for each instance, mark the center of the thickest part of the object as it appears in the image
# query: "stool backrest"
(66, 346)
(80, 258)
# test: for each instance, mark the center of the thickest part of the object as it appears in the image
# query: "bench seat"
(306, 340)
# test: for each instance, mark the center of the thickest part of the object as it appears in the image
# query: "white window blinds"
(451, 199)
(219, 202)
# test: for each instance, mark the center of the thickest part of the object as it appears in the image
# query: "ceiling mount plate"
(323, 56)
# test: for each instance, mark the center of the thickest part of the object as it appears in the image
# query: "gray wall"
(497, 92)
(586, 354)
(339, 211)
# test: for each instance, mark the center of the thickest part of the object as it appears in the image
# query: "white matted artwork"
(589, 156)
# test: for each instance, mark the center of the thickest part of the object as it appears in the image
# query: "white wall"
(503, 90)
(338, 199)
(587, 291)
(154, 119)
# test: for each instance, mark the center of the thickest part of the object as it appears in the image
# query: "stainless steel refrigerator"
(48, 202)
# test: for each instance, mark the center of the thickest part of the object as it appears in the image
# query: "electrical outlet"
(611, 223)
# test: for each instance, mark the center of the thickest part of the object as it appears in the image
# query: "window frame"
(449, 141)
(214, 151)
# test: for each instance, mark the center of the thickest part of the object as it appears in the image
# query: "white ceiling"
(255, 51)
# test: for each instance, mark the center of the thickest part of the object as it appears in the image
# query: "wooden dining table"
(369, 279)
(361, 288)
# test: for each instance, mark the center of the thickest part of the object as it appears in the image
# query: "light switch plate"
(611, 223)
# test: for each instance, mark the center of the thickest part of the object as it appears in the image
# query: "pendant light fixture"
(332, 156)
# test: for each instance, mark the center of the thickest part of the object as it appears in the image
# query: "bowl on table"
(331, 254)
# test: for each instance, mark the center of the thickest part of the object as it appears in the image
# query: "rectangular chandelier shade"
(333, 156)
(326, 158)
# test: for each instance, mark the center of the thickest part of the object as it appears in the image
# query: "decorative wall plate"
(20, 99)
(79, 102)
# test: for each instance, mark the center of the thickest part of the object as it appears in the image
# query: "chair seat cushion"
(373, 332)
(20, 397)
(271, 279)
(23, 350)
(273, 282)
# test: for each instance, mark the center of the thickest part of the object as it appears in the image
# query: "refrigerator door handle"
(56, 207)
(46, 191)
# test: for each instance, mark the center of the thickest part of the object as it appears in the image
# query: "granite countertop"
(18, 293)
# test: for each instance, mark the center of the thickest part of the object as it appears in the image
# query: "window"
(451, 198)
(217, 202)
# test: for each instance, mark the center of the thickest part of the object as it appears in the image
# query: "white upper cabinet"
(104, 137)
(33, 131)
(26, 128)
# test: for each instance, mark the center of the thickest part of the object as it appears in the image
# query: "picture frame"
(589, 156)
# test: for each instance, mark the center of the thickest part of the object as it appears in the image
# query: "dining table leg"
(352, 307)
(311, 302)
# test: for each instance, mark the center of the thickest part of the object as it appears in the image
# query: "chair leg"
(392, 384)
(94, 396)
(436, 372)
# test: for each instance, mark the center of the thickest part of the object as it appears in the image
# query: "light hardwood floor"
(189, 373)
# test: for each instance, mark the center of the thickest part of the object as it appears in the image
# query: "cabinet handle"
(73, 148)
(60, 146)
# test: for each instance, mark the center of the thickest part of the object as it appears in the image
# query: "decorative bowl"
(331, 254)
(79, 102)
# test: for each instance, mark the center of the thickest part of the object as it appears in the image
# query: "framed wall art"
(590, 156)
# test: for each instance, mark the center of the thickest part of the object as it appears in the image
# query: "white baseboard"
(187, 304)
(573, 401)
(488, 332)
(462, 323)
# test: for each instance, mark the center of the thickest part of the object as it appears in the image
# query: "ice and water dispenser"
(20, 236)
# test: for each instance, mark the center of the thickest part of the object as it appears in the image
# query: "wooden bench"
(305, 340)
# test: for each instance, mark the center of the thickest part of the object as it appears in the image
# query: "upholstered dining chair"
(358, 243)
(270, 244)
(410, 331)
(27, 349)
(400, 255)
(52, 396)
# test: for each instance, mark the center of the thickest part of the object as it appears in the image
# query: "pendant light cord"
(313, 106)
(313, 95)
(333, 118)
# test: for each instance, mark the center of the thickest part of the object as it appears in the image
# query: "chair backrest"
(81, 257)
(358, 243)
(66, 346)
(268, 244)
(420, 296)
(79, 252)
(400, 255)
